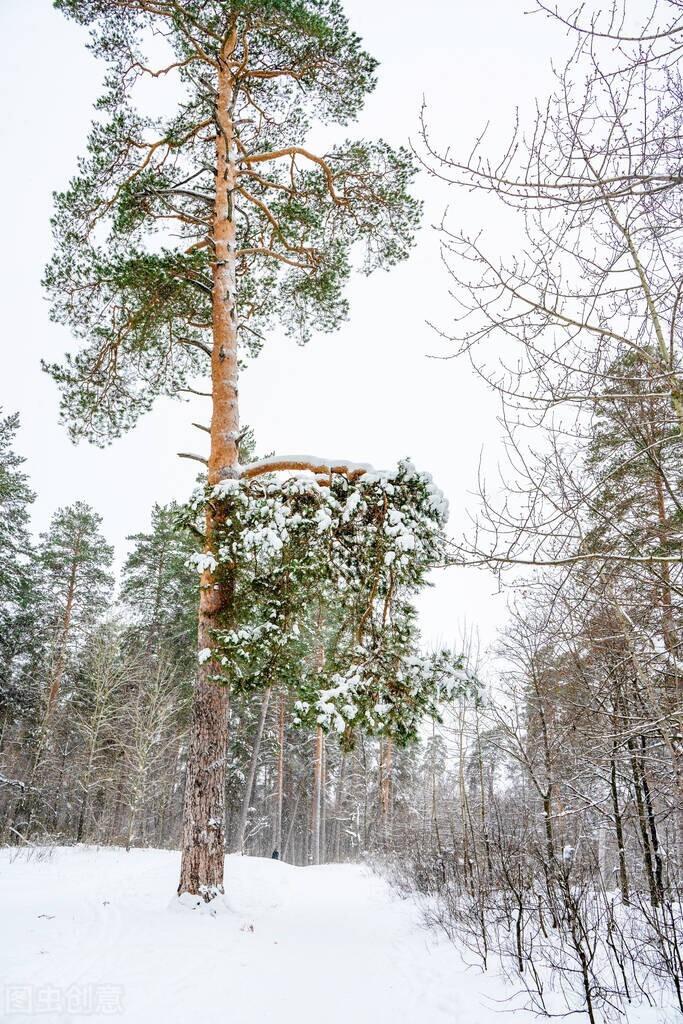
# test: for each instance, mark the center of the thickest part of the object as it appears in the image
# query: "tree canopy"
(134, 245)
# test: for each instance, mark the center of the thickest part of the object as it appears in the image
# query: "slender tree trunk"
(118, 799)
(338, 804)
(618, 826)
(668, 631)
(642, 821)
(366, 809)
(280, 774)
(547, 798)
(652, 824)
(60, 662)
(323, 802)
(203, 841)
(59, 786)
(132, 821)
(317, 792)
(86, 793)
(482, 804)
(251, 775)
(167, 811)
(292, 823)
(386, 766)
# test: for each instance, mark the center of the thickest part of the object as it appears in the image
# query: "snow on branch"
(4, 781)
(303, 463)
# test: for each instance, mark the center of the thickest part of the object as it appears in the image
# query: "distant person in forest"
(275, 855)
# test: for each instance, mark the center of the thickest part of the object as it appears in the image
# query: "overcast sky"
(367, 393)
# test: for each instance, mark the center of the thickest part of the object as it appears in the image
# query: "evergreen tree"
(264, 230)
(19, 640)
(634, 470)
(158, 587)
(75, 567)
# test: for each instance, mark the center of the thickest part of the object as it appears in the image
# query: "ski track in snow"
(329, 945)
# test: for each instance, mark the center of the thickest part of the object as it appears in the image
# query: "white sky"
(368, 393)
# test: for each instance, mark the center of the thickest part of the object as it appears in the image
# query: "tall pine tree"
(75, 570)
(18, 598)
(183, 240)
(158, 587)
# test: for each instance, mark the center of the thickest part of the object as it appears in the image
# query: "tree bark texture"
(203, 840)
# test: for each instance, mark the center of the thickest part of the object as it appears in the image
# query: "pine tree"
(158, 587)
(76, 583)
(267, 232)
(19, 635)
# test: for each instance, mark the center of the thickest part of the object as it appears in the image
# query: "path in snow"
(91, 934)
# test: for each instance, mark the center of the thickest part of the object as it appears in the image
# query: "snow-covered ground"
(90, 934)
(95, 933)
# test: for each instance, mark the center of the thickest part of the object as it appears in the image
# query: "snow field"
(95, 934)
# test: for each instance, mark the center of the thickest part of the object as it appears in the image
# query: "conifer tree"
(158, 587)
(182, 241)
(18, 598)
(75, 569)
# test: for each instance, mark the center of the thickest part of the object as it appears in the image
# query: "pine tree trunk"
(253, 765)
(203, 841)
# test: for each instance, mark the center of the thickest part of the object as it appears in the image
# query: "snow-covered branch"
(306, 463)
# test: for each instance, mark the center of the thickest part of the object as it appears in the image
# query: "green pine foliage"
(631, 455)
(19, 611)
(131, 272)
(76, 583)
(159, 588)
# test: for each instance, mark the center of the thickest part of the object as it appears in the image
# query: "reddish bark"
(203, 841)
